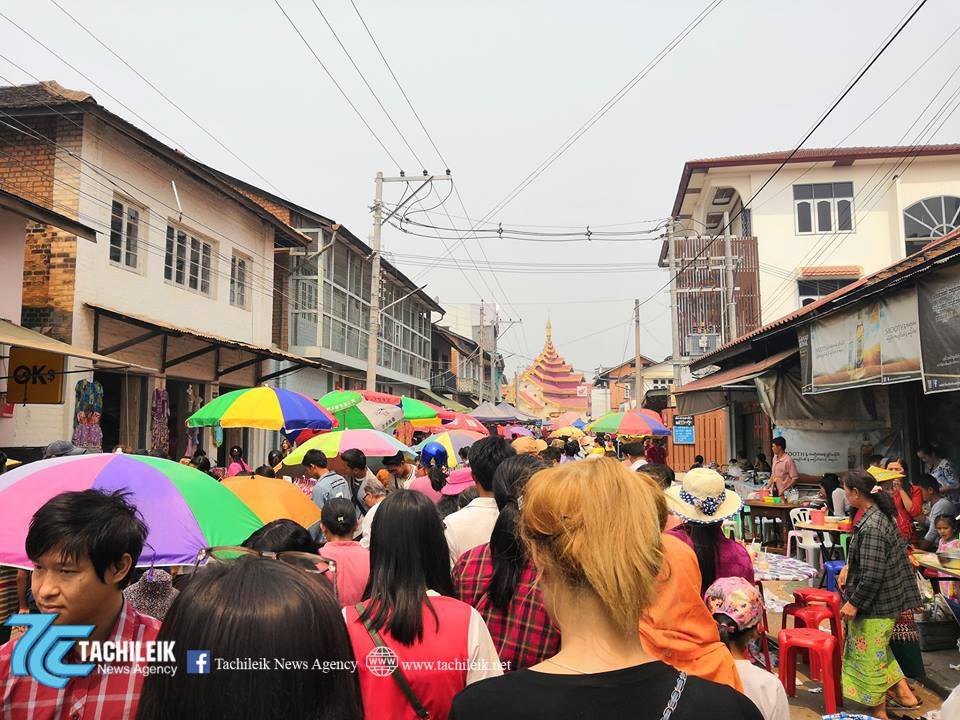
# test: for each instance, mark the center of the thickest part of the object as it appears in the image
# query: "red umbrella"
(462, 421)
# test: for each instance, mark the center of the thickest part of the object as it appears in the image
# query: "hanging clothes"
(193, 434)
(87, 433)
(89, 397)
(160, 421)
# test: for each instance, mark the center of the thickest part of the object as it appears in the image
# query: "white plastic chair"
(807, 540)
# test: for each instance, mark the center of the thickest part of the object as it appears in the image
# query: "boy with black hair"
(83, 546)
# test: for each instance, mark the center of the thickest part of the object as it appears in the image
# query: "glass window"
(353, 308)
(341, 266)
(844, 215)
(353, 342)
(824, 215)
(188, 261)
(124, 234)
(803, 192)
(326, 331)
(338, 336)
(832, 209)
(804, 221)
(168, 257)
(240, 284)
(356, 273)
(339, 307)
(930, 219)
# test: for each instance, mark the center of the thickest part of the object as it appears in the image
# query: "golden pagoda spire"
(549, 328)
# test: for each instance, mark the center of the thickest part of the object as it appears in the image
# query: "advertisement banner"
(817, 452)
(900, 340)
(683, 430)
(938, 305)
(845, 349)
(875, 343)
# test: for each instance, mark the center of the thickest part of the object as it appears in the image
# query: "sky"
(499, 86)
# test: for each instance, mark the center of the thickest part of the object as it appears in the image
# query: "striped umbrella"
(628, 423)
(453, 441)
(267, 408)
(369, 442)
(184, 509)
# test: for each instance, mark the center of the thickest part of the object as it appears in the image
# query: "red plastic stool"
(818, 596)
(810, 616)
(821, 645)
(764, 628)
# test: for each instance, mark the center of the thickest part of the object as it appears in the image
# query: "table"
(929, 560)
(760, 509)
(826, 553)
(771, 566)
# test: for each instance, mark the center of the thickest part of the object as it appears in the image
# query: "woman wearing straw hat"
(702, 502)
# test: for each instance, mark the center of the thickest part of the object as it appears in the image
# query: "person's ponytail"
(438, 477)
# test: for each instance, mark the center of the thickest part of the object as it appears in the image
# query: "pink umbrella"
(512, 430)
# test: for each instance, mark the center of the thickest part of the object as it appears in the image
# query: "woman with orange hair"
(593, 532)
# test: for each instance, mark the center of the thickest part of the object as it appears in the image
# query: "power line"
(336, 84)
(167, 98)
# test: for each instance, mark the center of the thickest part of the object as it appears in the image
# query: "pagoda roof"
(555, 377)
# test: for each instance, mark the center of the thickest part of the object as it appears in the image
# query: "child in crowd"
(738, 609)
(947, 531)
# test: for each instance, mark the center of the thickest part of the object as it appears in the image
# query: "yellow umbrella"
(274, 499)
(569, 431)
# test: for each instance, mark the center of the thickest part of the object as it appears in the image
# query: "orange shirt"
(678, 629)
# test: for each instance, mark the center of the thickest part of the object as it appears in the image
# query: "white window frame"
(815, 228)
(240, 287)
(139, 243)
(207, 251)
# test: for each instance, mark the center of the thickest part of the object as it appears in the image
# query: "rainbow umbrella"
(362, 410)
(628, 423)
(267, 408)
(369, 442)
(274, 499)
(453, 441)
(184, 509)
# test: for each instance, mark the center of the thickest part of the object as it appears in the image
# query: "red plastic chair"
(810, 616)
(819, 596)
(821, 645)
(764, 626)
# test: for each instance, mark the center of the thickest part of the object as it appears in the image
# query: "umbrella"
(274, 499)
(452, 421)
(356, 410)
(369, 442)
(184, 509)
(567, 419)
(518, 414)
(569, 431)
(452, 441)
(488, 412)
(512, 430)
(267, 408)
(579, 424)
(628, 423)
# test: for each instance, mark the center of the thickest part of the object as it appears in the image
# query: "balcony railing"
(468, 386)
(443, 381)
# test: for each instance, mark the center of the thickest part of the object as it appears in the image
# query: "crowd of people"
(533, 582)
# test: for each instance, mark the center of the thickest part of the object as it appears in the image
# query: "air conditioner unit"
(701, 343)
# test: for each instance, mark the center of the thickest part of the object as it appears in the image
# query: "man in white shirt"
(473, 525)
(633, 455)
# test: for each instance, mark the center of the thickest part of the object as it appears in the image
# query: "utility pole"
(483, 365)
(728, 269)
(638, 363)
(373, 328)
(674, 318)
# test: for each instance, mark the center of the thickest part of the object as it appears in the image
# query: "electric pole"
(674, 317)
(638, 362)
(483, 364)
(373, 327)
(728, 269)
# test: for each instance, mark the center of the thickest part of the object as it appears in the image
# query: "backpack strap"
(674, 696)
(397, 673)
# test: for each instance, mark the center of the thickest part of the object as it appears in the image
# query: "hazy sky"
(499, 86)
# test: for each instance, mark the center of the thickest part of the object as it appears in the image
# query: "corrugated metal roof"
(931, 252)
(733, 375)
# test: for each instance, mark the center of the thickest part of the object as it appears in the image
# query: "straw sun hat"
(702, 498)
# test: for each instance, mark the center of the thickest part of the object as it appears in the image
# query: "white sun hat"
(702, 498)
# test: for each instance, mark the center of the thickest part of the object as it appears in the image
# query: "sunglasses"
(303, 561)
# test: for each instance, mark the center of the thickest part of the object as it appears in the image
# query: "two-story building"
(620, 381)
(180, 278)
(455, 374)
(829, 217)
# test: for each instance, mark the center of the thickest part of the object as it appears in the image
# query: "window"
(240, 280)
(823, 207)
(125, 234)
(930, 219)
(187, 261)
(714, 221)
(660, 383)
(812, 290)
(722, 196)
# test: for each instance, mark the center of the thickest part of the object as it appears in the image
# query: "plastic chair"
(832, 568)
(764, 626)
(806, 539)
(845, 544)
(818, 644)
(810, 616)
(819, 596)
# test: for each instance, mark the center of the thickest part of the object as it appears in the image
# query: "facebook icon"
(198, 662)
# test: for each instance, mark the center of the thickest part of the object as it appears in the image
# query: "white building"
(829, 217)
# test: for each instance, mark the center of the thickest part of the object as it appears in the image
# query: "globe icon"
(381, 661)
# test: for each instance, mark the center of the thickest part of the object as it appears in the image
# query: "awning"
(156, 328)
(38, 213)
(445, 402)
(19, 336)
(717, 390)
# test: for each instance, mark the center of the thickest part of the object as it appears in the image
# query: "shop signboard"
(683, 430)
(36, 377)
(938, 304)
(874, 343)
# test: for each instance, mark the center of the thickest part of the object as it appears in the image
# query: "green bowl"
(778, 501)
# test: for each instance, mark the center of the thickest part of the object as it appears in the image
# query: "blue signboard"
(683, 431)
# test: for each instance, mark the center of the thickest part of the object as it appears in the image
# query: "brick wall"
(28, 166)
(278, 211)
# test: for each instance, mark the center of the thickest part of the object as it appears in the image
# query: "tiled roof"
(47, 92)
(832, 271)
